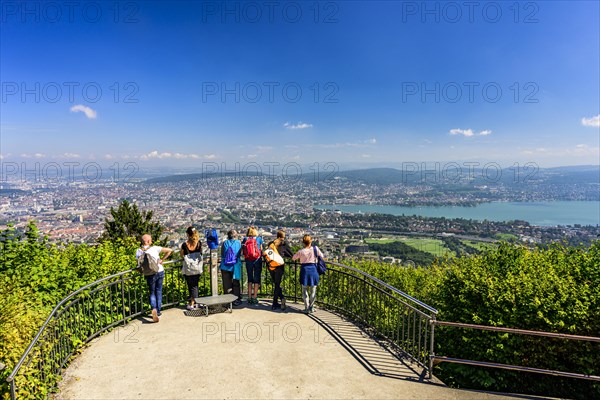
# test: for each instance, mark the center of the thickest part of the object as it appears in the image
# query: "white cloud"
(365, 155)
(181, 156)
(70, 155)
(264, 148)
(370, 141)
(91, 114)
(593, 122)
(109, 156)
(178, 156)
(464, 132)
(299, 125)
(469, 132)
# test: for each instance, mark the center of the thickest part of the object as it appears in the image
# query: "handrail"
(393, 289)
(440, 359)
(412, 317)
(52, 314)
(519, 331)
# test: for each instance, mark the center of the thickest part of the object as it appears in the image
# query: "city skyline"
(359, 84)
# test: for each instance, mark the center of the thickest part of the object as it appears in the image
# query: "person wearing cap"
(192, 245)
(232, 274)
(154, 281)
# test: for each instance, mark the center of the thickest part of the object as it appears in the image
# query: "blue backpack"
(230, 256)
(212, 239)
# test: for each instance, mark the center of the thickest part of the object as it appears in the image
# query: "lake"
(549, 213)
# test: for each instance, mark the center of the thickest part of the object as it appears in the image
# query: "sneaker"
(305, 311)
(237, 302)
(159, 313)
(154, 315)
(283, 306)
(275, 307)
(190, 307)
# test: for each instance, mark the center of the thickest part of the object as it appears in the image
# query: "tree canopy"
(128, 222)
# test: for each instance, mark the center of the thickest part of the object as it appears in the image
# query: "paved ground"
(253, 353)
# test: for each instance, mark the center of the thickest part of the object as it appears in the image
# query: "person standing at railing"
(252, 246)
(309, 277)
(155, 281)
(231, 266)
(277, 271)
(192, 264)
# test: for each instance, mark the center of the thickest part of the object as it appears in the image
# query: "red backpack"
(251, 250)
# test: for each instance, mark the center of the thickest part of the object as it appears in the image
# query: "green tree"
(128, 222)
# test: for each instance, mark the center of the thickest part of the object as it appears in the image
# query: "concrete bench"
(216, 301)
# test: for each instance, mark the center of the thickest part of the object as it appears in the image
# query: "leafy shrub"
(556, 289)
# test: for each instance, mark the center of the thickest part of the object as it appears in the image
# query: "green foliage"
(556, 289)
(129, 223)
(36, 275)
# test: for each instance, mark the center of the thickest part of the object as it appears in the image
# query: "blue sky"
(352, 82)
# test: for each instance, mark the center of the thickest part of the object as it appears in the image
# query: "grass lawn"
(506, 236)
(433, 246)
(381, 241)
(481, 246)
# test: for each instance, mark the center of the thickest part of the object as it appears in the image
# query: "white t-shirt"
(153, 251)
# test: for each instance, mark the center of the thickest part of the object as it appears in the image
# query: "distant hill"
(381, 176)
(8, 192)
(200, 176)
(588, 174)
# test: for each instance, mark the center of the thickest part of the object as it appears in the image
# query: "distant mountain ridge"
(444, 174)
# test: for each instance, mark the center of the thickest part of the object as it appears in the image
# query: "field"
(433, 246)
(481, 246)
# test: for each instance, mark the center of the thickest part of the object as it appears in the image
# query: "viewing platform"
(366, 340)
(251, 353)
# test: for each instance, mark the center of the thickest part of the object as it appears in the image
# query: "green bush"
(556, 289)
(35, 276)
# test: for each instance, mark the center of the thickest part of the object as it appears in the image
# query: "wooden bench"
(216, 301)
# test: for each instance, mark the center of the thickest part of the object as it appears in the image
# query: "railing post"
(432, 348)
(295, 281)
(123, 299)
(214, 277)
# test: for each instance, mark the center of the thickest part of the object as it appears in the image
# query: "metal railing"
(386, 312)
(439, 359)
(82, 316)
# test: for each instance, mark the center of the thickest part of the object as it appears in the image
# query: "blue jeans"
(155, 285)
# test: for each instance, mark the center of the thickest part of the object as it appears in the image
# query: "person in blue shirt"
(231, 266)
(253, 248)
